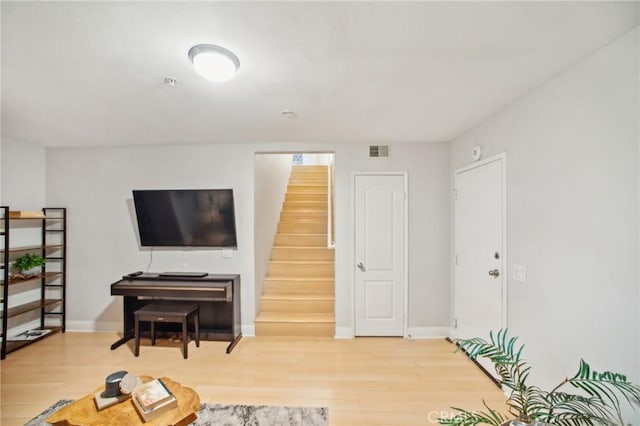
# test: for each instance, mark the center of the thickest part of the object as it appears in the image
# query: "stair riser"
(274, 286)
(307, 189)
(317, 210)
(292, 196)
(305, 206)
(308, 176)
(307, 180)
(295, 329)
(295, 240)
(302, 228)
(309, 169)
(303, 217)
(320, 253)
(298, 306)
(300, 270)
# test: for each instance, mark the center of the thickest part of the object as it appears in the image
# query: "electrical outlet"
(520, 273)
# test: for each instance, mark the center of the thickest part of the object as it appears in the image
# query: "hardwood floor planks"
(363, 381)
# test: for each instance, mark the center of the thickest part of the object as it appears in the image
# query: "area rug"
(232, 415)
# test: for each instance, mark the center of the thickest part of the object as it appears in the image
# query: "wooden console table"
(218, 297)
(84, 412)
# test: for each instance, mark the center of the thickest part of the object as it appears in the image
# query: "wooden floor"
(363, 381)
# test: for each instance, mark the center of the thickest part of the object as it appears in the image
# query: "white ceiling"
(91, 73)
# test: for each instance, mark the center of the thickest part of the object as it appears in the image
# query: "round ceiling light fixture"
(213, 62)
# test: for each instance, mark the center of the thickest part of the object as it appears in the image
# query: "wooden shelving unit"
(44, 275)
(33, 248)
(50, 306)
(13, 345)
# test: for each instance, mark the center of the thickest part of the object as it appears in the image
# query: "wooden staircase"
(298, 297)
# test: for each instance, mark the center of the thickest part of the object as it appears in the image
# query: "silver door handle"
(494, 273)
(361, 267)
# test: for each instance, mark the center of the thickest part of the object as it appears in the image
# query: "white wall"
(573, 197)
(428, 173)
(23, 186)
(271, 176)
(317, 159)
(23, 170)
(95, 184)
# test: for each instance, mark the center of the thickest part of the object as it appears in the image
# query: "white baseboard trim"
(427, 332)
(248, 330)
(94, 326)
(115, 327)
(412, 333)
(344, 333)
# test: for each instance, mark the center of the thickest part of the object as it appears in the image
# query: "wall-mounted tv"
(186, 217)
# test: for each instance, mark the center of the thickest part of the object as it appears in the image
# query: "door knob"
(494, 273)
(361, 267)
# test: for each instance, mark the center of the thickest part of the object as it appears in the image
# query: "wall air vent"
(378, 151)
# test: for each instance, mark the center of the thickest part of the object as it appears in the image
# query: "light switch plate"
(520, 273)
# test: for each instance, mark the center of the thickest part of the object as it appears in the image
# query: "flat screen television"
(186, 217)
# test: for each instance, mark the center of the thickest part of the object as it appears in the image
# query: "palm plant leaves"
(469, 418)
(606, 386)
(503, 354)
(565, 409)
(506, 357)
(599, 406)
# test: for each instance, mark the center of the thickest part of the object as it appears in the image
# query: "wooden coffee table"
(84, 412)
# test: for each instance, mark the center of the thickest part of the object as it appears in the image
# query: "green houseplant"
(597, 401)
(29, 264)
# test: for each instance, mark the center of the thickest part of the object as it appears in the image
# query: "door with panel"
(479, 248)
(380, 287)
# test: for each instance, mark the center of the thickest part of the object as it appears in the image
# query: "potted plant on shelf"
(598, 401)
(29, 265)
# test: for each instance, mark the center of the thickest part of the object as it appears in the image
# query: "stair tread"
(293, 222)
(315, 215)
(303, 217)
(297, 296)
(304, 247)
(305, 209)
(308, 184)
(295, 317)
(300, 279)
(299, 235)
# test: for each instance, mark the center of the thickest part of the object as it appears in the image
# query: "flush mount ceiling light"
(214, 63)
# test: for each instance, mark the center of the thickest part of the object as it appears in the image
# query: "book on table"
(153, 398)
(157, 410)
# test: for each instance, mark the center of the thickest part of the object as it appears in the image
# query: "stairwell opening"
(294, 245)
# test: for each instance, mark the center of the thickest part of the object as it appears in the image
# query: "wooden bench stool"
(156, 312)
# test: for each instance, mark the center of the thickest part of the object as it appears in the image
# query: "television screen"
(186, 217)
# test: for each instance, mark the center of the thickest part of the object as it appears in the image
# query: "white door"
(379, 255)
(479, 287)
